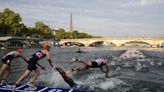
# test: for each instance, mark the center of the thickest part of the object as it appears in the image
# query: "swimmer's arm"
(49, 60)
(40, 66)
(23, 58)
(107, 69)
(106, 73)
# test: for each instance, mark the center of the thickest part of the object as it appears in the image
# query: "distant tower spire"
(71, 24)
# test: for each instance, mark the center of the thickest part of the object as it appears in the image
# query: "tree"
(75, 34)
(60, 34)
(10, 22)
(44, 30)
(84, 35)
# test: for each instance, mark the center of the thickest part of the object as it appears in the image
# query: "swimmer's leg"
(8, 72)
(3, 69)
(26, 73)
(34, 78)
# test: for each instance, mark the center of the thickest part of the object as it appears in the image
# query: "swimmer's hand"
(106, 76)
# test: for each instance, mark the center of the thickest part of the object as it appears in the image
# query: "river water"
(131, 69)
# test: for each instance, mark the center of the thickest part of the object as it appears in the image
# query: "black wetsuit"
(67, 79)
(95, 63)
(71, 83)
(8, 57)
(33, 60)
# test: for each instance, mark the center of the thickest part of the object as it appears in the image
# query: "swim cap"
(19, 50)
(46, 46)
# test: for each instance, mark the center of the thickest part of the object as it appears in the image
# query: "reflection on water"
(131, 70)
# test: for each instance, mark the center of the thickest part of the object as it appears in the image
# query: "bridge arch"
(136, 43)
(71, 43)
(96, 44)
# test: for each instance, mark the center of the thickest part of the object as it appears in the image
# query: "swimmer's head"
(19, 50)
(46, 47)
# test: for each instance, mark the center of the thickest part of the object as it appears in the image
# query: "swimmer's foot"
(3, 81)
(73, 60)
(30, 88)
(74, 69)
(31, 85)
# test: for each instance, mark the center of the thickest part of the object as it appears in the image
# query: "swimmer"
(98, 63)
(32, 62)
(6, 60)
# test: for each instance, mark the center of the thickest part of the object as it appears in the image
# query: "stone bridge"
(15, 42)
(117, 41)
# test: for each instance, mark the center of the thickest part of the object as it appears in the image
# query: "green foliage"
(33, 32)
(61, 34)
(11, 25)
(10, 22)
(44, 30)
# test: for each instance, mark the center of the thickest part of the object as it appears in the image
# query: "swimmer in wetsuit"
(66, 78)
(6, 60)
(32, 65)
(98, 63)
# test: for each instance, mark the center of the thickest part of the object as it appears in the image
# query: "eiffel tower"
(71, 24)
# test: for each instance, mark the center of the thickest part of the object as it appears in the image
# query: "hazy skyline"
(107, 18)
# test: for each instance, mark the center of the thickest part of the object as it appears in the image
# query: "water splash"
(111, 83)
(53, 79)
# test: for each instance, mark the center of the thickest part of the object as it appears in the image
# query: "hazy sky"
(107, 18)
